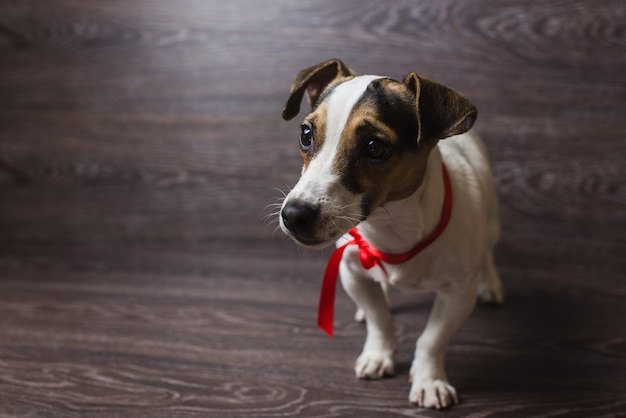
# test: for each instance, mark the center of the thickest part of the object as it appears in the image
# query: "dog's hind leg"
(359, 316)
(376, 359)
(490, 289)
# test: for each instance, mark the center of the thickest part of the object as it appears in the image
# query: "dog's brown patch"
(385, 112)
(317, 122)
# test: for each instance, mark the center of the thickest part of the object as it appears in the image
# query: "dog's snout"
(299, 217)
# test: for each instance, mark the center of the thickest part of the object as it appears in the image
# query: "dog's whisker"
(274, 212)
(282, 191)
(274, 209)
(336, 226)
(349, 217)
(272, 218)
(278, 203)
(272, 222)
(276, 230)
(350, 206)
(353, 214)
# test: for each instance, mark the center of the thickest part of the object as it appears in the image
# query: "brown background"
(140, 142)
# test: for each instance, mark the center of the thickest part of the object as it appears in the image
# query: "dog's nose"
(299, 217)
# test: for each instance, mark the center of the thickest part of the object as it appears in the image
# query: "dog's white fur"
(457, 266)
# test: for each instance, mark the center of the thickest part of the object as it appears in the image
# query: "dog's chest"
(420, 273)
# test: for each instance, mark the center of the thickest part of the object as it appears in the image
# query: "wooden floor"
(141, 142)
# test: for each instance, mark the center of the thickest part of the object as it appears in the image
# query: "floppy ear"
(313, 81)
(441, 111)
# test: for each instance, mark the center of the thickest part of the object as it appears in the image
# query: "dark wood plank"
(141, 144)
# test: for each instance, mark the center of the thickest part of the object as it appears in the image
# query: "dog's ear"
(441, 111)
(313, 81)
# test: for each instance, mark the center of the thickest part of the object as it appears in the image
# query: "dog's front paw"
(433, 394)
(374, 364)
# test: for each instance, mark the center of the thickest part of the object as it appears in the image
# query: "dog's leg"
(490, 289)
(359, 316)
(376, 359)
(430, 387)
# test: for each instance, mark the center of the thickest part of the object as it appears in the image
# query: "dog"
(393, 175)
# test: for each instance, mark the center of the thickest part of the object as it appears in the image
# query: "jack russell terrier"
(403, 207)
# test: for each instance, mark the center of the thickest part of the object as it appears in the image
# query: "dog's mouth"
(314, 244)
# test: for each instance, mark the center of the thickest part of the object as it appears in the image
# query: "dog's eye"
(377, 149)
(306, 137)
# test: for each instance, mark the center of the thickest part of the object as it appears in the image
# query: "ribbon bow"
(371, 257)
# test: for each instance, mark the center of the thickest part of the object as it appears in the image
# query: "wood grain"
(141, 146)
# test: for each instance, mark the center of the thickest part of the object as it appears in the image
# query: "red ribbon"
(371, 257)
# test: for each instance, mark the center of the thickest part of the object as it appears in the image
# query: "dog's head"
(365, 142)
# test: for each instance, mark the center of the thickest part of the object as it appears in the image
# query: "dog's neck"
(397, 226)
